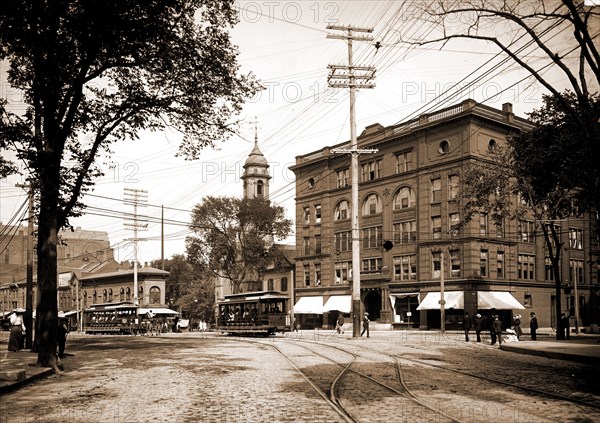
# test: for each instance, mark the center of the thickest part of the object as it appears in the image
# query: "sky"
(285, 44)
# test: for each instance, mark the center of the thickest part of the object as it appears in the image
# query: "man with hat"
(365, 324)
(533, 326)
(478, 326)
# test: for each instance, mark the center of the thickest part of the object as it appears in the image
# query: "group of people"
(339, 325)
(16, 340)
(494, 325)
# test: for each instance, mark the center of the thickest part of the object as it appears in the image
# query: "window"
(444, 147)
(306, 275)
(341, 210)
(110, 295)
(343, 271)
(372, 205)
(403, 162)
(549, 272)
(371, 170)
(154, 296)
(576, 271)
(405, 268)
(317, 213)
(140, 292)
(259, 189)
(526, 266)
(405, 198)
(270, 285)
(372, 237)
(453, 186)
(307, 215)
(306, 245)
(85, 299)
(576, 238)
(455, 263)
(405, 232)
(436, 190)
(436, 227)
(526, 231)
(483, 224)
(105, 295)
(527, 300)
(483, 263)
(318, 274)
(436, 263)
(343, 177)
(122, 294)
(343, 241)
(284, 284)
(492, 145)
(499, 228)
(372, 265)
(127, 294)
(454, 224)
(500, 264)
(94, 297)
(317, 244)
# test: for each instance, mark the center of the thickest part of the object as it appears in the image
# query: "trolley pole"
(442, 300)
(353, 77)
(136, 198)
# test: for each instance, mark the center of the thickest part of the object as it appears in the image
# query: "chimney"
(507, 109)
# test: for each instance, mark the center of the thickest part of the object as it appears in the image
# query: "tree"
(560, 36)
(234, 237)
(94, 72)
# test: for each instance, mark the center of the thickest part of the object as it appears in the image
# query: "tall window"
(105, 295)
(576, 238)
(436, 226)
(576, 271)
(317, 274)
(405, 232)
(453, 186)
(127, 294)
(306, 245)
(306, 215)
(499, 225)
(343, 271)
(403, 162)
(526, 266)
(405, 267)
(372, 237)
(154, 295)
(140, 293)
(372, 205)
(85, 299)
(483, 263)
(455, 263)
(341, 210)
(94, 297)
(371, 170)
(454, 224)
(110, 295)
(549, 272)
(343, 241)
(483, 224)
(259, 189)
(317, 244)
(270, 285)
(372, 265)
(436, 190)
(526, 231)
(500, 265)
(306, 275)
(122, 294)
(284, 284)
(405, 198)
(317, 213)
(343, 177)
(436, 264)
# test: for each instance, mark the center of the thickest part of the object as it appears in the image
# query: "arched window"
(342, 210)
(122, 294)
(128, 294)
(140, 294)
(94, 297)
(104, 296)
(154, 295)
(270, 285)
(110, 295)
(405, 198)
(371, 205)
(259, 189)
(84, 298)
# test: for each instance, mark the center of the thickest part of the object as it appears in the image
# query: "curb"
(552, 354)
(19, 384)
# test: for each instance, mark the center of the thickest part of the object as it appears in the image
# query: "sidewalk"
(580, 348)
(17, 369)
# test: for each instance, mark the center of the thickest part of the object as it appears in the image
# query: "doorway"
(373, 305)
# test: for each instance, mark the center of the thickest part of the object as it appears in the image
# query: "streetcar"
(110, 318)
(254, 313)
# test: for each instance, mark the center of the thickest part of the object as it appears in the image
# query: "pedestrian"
(340, 323)
(63, 330)
(17, 327)
(564, 323)
(365, 324)
(467, 324)
(478, 325)
(533, 326)
(497, 324)
(517, 326)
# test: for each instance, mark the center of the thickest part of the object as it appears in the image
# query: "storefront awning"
(453, 299)
(157, 311)
(341, 303)
(309, 305)
(402, 295)
(500, 300)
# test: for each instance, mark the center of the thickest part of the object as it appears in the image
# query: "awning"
(341, 303)
(453, 299)
(500, 300)
(309, 305)
(402, 295)
(157, 311)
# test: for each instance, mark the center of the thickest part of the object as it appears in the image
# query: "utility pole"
(29, 286)
(442, 300)
(353, 77)
(136, 198)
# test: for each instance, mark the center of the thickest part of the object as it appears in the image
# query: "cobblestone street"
(192, 377)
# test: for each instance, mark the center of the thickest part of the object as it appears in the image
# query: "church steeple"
(256, 172)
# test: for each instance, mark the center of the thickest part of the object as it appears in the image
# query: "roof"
(256, 157)
(147, 271)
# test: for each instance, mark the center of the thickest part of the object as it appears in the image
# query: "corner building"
(409, 194)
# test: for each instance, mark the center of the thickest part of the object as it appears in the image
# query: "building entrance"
(373, 305)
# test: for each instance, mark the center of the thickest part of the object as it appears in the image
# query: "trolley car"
(110, 318)
(254, 313)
